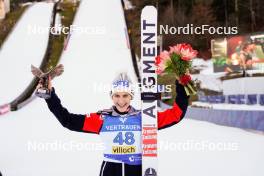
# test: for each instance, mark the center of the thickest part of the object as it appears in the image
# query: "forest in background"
(246, 15)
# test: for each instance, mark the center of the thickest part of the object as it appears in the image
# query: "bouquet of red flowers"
(178, 61)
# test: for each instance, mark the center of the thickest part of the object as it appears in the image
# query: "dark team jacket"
(92, 123)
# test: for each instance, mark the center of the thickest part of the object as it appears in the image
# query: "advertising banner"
(238, 53)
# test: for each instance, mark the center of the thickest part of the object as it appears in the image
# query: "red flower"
(185, 46)
(157, 60)
(185, 79)
(185, 50)
(158, 63)
(161, 61)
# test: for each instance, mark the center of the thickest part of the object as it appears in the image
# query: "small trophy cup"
(43, 91)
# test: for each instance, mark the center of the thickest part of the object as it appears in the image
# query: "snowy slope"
(89, 60)
(204, 149)
(21, 49)
(93, 59)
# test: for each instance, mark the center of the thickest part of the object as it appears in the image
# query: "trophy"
(43, 91)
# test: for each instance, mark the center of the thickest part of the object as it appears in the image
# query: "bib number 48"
(127, 138)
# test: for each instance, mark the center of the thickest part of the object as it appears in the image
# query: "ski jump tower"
(4, 8)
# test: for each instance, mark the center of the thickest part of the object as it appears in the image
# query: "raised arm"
(76, 122)
(172, 116)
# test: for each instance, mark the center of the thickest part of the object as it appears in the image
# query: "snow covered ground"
(34, 143)
(23, 48)
(207, 77)
(229, 106)
(200, 148)
(210, 79)
(247, 85)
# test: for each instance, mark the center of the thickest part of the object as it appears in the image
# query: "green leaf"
(175, 58)
(169, 69)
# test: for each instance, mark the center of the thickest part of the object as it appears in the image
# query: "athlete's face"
(122, 101)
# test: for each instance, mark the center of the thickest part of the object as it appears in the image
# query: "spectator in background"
(246, 56)
(234, 61)
(2, 11)
(238, 47)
